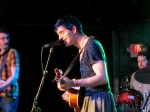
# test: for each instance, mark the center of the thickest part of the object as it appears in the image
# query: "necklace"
(82, 47)
(83, 41)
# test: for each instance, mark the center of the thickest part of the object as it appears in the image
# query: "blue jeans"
(9, 104)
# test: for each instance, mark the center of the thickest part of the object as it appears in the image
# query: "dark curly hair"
(4, 29)
(68, 22)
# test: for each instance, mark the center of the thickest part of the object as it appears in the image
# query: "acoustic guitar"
(76, 95)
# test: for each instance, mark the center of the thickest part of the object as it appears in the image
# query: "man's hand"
(66, 85)
(1, 84)
(65, 96)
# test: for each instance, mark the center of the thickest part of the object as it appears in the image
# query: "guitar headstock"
(58, 73)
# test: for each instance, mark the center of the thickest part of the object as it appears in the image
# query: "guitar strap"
(3, 62)
(72, 63)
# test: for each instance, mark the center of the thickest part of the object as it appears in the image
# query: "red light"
(135, 48)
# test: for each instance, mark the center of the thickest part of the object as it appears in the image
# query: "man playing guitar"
(93, 67)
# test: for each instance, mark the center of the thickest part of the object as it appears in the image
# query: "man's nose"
(60, 37)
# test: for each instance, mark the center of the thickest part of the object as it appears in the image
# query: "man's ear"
(74, 29)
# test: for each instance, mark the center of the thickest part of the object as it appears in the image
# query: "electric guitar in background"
(76, 95)
(5, 90)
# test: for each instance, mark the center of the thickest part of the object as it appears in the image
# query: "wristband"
(76, 82)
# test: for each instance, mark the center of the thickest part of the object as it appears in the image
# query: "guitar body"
(4, 90)
(76, 98)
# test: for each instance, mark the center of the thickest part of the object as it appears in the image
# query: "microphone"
(127, 82)
(58, 42)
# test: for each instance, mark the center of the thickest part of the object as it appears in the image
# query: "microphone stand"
(34, 108)
(145, 102)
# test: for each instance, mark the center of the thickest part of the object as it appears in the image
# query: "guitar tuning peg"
(60, 71)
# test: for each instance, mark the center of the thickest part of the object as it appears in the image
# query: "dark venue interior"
(31, 25)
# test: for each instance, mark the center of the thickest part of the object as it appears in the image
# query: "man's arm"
(13, 78)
